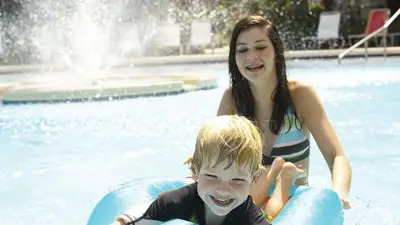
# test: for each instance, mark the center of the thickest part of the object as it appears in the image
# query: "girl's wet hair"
(241, 92)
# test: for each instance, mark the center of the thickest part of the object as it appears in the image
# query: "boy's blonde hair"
(232, 138)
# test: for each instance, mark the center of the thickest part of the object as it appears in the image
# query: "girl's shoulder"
(227, 105)
(300, 90)
(228, 90)
(303, 96)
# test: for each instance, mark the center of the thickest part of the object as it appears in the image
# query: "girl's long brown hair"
(241, 92)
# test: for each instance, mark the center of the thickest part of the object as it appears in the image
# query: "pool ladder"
(385, 26)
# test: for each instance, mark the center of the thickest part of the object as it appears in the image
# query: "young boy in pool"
(225, 162)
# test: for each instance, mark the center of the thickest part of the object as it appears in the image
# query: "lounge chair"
(169, 35)
(376, 19)
(328, 29)
(200, 32)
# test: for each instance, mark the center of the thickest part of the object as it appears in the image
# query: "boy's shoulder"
(180, 203)
(185, 193)
(247, 213)
(184, 199)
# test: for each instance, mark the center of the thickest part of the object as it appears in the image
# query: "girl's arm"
(313, 115)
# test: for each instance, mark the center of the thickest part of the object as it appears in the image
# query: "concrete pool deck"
(32, 84)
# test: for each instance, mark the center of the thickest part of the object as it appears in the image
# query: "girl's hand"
(118, 222)
(345, 201)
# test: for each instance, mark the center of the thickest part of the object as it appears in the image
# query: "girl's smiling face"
(223, 189)
(255, 54)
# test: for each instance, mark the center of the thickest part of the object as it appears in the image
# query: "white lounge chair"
(328, 29)
(200, 32)
(169, 35)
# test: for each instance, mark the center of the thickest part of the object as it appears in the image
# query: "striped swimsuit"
(291, 145)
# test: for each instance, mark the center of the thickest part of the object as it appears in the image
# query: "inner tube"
(307, 206)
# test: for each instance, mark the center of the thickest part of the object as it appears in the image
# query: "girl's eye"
(241, 50)
(260, 47)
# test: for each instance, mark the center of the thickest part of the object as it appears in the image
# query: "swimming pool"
(58, 160)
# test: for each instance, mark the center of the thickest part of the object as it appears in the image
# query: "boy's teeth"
(221, 200)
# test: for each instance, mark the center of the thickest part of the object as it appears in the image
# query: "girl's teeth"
(252, 67)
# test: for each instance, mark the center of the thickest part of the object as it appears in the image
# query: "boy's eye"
(211, 176)
(238, 181)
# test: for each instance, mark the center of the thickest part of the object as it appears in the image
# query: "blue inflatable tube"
(307, 205)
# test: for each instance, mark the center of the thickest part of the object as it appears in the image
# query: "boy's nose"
(223, 187)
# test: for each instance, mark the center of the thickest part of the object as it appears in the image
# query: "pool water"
(58, 160)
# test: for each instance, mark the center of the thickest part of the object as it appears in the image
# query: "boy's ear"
(195, 174)
(255, 178)
(256, 175)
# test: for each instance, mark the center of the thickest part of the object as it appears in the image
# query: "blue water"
(58, 160)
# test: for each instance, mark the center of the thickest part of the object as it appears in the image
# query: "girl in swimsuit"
(260, 91)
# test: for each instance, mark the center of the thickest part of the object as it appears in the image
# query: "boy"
(225, 162)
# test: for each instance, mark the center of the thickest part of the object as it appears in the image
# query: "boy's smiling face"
(223, 189)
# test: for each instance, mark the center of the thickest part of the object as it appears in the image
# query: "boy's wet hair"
(233, 139)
